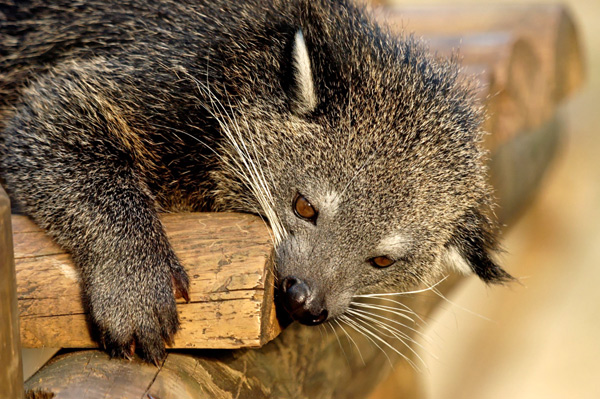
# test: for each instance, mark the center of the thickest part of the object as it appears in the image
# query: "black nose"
(296, 300)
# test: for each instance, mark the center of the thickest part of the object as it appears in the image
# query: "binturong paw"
(135, 311)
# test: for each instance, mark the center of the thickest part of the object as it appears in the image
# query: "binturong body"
(361, 150)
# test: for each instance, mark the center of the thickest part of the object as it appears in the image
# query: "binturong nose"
(298, 301)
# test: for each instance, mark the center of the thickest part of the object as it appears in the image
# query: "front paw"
(136, 312)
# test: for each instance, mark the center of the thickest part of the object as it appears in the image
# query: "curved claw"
(180, 286)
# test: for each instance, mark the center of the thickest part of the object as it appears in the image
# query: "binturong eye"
(304, 210)
(381, 261)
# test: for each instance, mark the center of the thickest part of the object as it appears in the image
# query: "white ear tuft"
(305, 99)
(456, 261)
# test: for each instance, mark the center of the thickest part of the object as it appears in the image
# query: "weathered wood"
(303, 362)
(11, 371)
(227, 257)
(510, 84)
(519, 165)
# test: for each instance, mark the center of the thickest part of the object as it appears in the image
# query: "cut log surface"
(226, 255)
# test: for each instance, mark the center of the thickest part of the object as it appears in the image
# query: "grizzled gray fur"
(359, 149)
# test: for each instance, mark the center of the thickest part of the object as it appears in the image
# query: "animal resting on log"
(528, 60)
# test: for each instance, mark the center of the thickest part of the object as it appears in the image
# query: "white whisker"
(364, 327)
(352, 340)
(401, 293)
(245, 167)
(395, 333)
(395, 322)
(404, 306)
(398, 312)
(442, 296)
(339, 342)
(360, 329)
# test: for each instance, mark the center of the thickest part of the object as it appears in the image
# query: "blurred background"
(540, 338)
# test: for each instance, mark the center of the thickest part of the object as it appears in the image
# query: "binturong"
(360, 149)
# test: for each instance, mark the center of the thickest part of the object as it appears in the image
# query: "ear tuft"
(454, 259)
(472, 247)
(305, 98)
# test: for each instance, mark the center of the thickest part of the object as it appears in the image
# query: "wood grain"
(226, 255)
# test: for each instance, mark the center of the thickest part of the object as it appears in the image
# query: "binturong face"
(371, 187)
(384, 218)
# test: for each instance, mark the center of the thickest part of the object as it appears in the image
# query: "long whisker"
(442, 296)
(360, 329)
(387, 319)
(430, 288)
(247, 169)
(339, 342)
(398, 312)
(321, 330)
(405, 307)
(364, 327)
(351, 339)
(395, 333)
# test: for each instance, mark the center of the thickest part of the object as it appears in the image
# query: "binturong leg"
(70, 158)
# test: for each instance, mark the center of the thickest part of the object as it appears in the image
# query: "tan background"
(542, 339)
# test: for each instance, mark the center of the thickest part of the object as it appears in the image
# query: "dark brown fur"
(114, 110)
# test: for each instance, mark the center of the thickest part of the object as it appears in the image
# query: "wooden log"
(510, 86)
(549, 29)
(11, 371)
(529, 56)
(519, 165)
(303, 362)
(226, 255)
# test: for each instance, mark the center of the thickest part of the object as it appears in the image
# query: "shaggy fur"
(114, 110)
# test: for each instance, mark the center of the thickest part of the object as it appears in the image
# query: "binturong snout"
(300, 301)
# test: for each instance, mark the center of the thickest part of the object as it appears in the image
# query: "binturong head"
(373, 177)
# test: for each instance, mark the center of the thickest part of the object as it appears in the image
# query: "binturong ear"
(471, 249)
(304, 98)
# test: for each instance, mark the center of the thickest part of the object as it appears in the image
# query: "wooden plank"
(226, 255)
